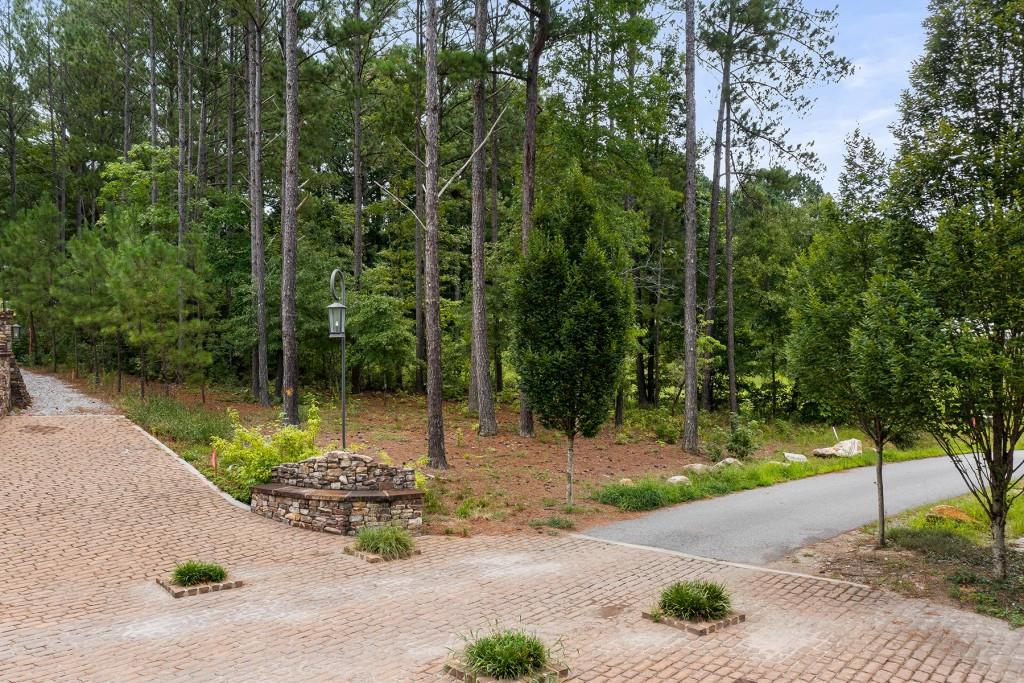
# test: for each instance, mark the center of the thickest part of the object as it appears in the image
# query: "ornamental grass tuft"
(506, 655)
(193, 572)
(390, 542)
(696, 600)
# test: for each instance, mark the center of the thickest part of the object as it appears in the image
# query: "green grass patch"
(171, 419)
(961, 552)
(696, 600)
(193, 572)
(650, 493)
(390, 542)
(554, 523)
(506, 655)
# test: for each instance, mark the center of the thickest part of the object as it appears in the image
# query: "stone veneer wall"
(341, 493)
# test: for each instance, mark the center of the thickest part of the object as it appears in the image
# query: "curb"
(725, 563)
(187, 465)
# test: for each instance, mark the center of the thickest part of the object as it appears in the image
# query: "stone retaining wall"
(13, 393)
(340, 470)
(341, 493)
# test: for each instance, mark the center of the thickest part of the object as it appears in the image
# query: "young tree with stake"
(571, 314)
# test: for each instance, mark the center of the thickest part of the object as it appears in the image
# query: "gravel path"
(51, 396)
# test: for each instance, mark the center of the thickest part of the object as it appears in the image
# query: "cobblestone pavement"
(95, 510)
(50, 396)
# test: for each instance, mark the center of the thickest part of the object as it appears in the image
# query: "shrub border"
(698, 628)
(182, 591)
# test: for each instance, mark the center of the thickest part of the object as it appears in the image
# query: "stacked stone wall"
(341, 493)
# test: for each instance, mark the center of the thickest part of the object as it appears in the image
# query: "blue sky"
(882, 38)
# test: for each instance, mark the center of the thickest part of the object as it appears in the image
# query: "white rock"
(843, 449)
(695, 467)
(626, 481)
(679, 479)
(727, 462)
(794, 457)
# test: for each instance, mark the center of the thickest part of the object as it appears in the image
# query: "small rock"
(949, 512)
(679, 479)
(727, 462)
(794, 457)
(695, 467)
(626, 482)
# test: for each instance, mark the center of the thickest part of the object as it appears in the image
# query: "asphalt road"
(763, 525)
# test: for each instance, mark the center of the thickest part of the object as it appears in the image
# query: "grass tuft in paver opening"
(697, 606)
(193, 572)
(195, 578)
(506, 655)
(385, 543)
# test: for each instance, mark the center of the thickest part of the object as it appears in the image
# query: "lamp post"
(15, 332)
(336, 330)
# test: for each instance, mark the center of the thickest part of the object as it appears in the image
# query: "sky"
(882, 38)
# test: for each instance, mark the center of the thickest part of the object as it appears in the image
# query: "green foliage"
(696, 600)
(740, 440)
(554, 523)
(659, 422)
(472, 508)
(649, 494)
(167, 417)
(506, 655)
(193, 572)
(390, 542)
(962, 552)
(383, 343)
(571, 312)
(249, 454)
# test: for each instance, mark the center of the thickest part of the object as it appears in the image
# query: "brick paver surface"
(93, 511)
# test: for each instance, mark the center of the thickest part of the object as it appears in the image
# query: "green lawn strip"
(652, 493)
(961, 552)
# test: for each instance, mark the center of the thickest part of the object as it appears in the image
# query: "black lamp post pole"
(343, 404)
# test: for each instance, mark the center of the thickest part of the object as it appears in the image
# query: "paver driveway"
(93, 510)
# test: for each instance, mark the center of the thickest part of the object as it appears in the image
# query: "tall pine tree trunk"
(183, 156)
(254, 127)
(421, 339)
(481, 357)
(435, 417)
(152, 94)
(357, 147)
(229, 152)
(730, 307)
(126, 120)
(540, 17)
(716, 194)
(289, 213)
(690, 229)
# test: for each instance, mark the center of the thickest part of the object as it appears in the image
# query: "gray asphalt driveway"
(763, 525)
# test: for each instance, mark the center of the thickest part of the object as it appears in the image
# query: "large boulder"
(794, 457)
(727, 462)
(679, 479)
(843, 449)
(695, 467)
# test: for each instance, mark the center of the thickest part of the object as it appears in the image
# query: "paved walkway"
(94, 510)
(762, 525)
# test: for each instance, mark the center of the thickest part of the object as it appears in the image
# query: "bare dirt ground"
(502, 483)
(853, 557)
